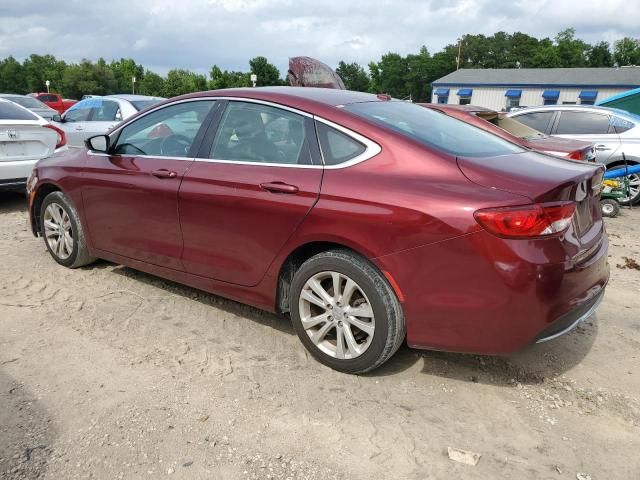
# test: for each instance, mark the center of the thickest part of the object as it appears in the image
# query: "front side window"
(582, 123)
(80, 112)
(536, 120)
(251, 132)
(433, 129)
(167, 132)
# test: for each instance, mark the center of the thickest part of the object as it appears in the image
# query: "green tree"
(599, 55)
(181, 81)
(389, 75)
(267, 73)
(545, 56)
(420, 75)
(124, 70)
(228, 79)
(38, 69)
(572, 52)
(353, 76)
(12, 78)
(626, 51)
(151, 84)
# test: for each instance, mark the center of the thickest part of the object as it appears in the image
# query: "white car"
(97, 115)
(25, 138)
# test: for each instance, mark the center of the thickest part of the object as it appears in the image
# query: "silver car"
(613, 132)
(96, 115)
(30, 103)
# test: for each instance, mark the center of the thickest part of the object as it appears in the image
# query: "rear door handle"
(164, 173)
(602, 148)
(279, 187)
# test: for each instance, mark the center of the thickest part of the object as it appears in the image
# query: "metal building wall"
(494, 97)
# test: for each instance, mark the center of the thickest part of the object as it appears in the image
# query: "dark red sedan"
(368, 220)
(516, 132)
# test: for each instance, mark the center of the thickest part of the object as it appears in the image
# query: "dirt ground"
(109, 373)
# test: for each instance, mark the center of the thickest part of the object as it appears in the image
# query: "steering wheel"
(175, 145)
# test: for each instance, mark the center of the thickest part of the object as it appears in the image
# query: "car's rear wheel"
(62, 231)
(634, 184)
(345, 312)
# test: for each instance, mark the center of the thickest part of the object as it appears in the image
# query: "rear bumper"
(15, 174)
(481, 294)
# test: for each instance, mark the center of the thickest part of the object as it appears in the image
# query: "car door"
(74, 122)
(257, 176)
(130, 195)
(589, 126)
(105, 114)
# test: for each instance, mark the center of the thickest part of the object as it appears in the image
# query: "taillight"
(577, 155)
(536, 220)
(62, 137)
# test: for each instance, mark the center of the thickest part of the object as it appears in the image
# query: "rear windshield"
(11, 111)
(434, 129)
(142, 104)
(27, 102)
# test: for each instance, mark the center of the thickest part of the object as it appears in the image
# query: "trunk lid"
(25, 142)
(543, 179)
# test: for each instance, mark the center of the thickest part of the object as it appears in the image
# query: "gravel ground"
(109, 373)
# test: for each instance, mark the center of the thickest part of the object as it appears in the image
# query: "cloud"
(196, 34)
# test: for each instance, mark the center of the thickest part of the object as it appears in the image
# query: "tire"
(610, 207)
(364, 299)
(57, 209)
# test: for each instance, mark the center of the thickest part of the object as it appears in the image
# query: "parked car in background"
(514, 131)
(54, 100)
(33, 104)
(25, 138)
(367, 219)
(614, 133)
(96, 115)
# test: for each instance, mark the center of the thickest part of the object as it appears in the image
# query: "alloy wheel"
(634, 188)
(58, 231)
(337, 315)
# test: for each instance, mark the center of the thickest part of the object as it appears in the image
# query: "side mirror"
(57, 118)
(99, 143)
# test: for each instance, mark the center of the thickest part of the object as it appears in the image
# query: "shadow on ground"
(530, 366)
(26, 431)
(12, 202)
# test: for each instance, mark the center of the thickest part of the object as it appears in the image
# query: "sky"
(196, 34)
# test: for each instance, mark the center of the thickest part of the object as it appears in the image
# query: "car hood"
(541, 178)
(557, 144)
(309, 72)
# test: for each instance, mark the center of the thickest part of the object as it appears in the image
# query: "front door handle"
(279, 187)
(602, 148)
(164, 173)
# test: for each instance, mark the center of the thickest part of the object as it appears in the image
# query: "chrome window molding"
(371, 148)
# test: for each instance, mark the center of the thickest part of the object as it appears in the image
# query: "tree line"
(408, 76)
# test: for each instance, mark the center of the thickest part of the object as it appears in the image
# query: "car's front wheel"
(345, 312)
(62, 231)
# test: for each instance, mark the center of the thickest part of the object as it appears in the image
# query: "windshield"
(142, 104)
(27, 102)
(434, 129)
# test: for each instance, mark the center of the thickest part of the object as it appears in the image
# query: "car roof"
(129, 97)
(13, 95)
(327, 96)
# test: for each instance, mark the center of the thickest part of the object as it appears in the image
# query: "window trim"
(372, 148)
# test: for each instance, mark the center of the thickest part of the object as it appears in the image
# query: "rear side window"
(336, 146)
(621, 125)
(11, 111)
(537, 120)
(48, 98)
(582, 123)
(433, 129)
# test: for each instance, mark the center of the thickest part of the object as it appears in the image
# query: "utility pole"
(459, 54)
(133, 85)
(47, 83)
